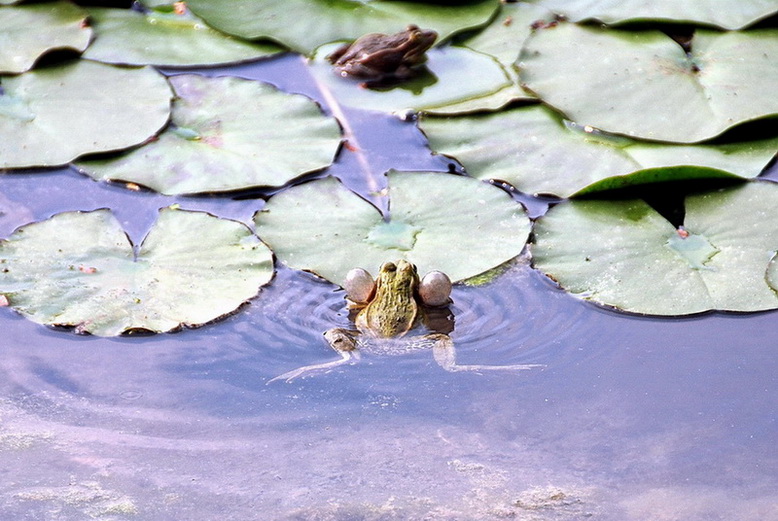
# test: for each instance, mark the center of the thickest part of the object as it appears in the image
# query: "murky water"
(631, 418)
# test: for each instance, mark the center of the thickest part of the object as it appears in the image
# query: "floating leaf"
(79, 269)
(160, 38)
(52, 115)
(443, 222)
(455, 74)
(29, 31)
(227, 134)
(727, 15)
(502, 39)
(624, 254)
(537, 152)
(647, 86)
(304, 25)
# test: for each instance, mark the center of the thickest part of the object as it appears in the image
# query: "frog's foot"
(342, 341)
(445, 355)
(310, 370)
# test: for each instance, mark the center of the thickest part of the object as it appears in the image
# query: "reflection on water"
(631, 419)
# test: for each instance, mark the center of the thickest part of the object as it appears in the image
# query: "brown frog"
(377, 57)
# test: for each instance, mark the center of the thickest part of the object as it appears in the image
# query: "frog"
(387, 309)
(377, 57)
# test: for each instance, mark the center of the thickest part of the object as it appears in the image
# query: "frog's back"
(387, 323)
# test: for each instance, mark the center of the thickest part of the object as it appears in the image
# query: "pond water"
(631, 418)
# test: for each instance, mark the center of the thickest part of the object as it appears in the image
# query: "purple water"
(631, 419)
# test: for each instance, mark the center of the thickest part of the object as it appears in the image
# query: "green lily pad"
(624, 254)
(502, 39)
(165, 38)
(304, 25)
(444, 222)
(727, 15)
(537, 152)
(27, 32)
(455, 74)
(648, 87)
(52, 115)
(79, 269)
(227, 134)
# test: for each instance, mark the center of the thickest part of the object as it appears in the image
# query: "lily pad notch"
(625, 255)
(650, 87)
(450, 223)
(78, 269)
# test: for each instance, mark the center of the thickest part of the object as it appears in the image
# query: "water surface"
(631, 418)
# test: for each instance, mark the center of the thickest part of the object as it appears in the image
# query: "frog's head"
(418, 41)
(397, 278)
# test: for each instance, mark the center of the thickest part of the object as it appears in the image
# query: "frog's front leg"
(446, 356)
(342, 341)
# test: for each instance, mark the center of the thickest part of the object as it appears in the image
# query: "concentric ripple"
(518, 318)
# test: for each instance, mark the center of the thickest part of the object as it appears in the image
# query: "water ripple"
(517, 318)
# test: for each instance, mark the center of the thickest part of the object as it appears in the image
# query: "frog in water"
(378, 57)
(388, 309)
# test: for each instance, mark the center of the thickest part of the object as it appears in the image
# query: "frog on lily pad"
(387, 309)
(377, 57)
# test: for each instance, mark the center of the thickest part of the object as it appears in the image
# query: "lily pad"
(502, 39)
(648, 87)
(727, 15)
(227, 134)
(52, 115)
(538, 152)
(79, 269)
(624, 254)
(165, 38)
(304, 25)
(438, 221)
(454, 74)
(29, 31)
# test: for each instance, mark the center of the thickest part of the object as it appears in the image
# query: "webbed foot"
(342, 341)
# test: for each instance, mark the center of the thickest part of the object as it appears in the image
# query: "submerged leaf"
(452, 75)
(537, 152)
(79, 269)
(50, 116)
(772, 273)
(443, 222)
(624, 254)
(132, 37)
(648, 87)
(29, 31)
(304, 25)
(727, 15)
(227, 134)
